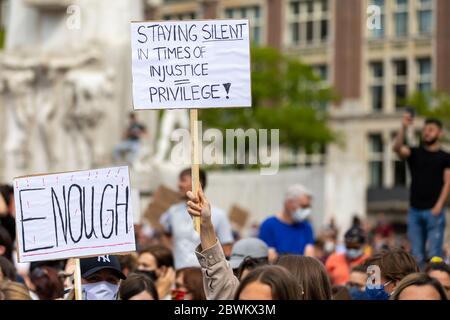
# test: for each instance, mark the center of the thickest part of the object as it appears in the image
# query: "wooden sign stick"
(77, 280)
(195, 163)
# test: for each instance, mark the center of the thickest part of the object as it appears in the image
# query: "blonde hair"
(14, 291)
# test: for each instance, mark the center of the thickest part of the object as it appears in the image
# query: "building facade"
(374, 53)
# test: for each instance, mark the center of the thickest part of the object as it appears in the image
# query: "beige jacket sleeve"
(219, 282)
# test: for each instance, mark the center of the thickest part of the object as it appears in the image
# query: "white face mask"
(301, 214)
(102, 290)
(354, 253)
(328, 246)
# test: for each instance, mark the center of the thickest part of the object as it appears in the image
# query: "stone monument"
(65, 85)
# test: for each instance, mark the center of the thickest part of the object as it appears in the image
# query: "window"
(377, 70)
(321, 71)
(401, 18)
(181, 16)
(295, 32)
(309, 31)
(310, 6)
(324, 5)
(295, 7)
(401, 93)
(400, 70)
(377, 93)
(424, 69)
(308, 21)
(376, 143)
(253, 13)
(379, 32)
(376, 149)
(323, 30)
(376, 86)
(424, 17)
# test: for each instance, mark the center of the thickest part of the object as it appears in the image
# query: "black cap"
(355, 235)
(90, 266)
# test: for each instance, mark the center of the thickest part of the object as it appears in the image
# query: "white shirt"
(178, 223)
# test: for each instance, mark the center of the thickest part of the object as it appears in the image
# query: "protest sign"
(191, 64)
(162, 199)
(74, 214)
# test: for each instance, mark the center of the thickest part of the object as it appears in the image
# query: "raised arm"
(200, 207)
(219, 281)
(402, 150)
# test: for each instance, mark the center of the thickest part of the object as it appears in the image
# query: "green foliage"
(286, 94)
(2, 38)
(432, 105)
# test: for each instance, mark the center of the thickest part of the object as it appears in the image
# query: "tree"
(2, 38)
(431, 105)
(286, 94)
(2, 31)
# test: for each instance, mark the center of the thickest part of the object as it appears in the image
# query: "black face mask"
(149, 273)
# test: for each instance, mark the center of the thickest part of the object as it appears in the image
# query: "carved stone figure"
(65, 87)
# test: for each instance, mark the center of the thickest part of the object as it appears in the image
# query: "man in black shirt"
(430, 185)
(130, 144)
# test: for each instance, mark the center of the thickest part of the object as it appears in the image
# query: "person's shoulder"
(270, 221)
(445, 152)
(332, 258)
(307, 223)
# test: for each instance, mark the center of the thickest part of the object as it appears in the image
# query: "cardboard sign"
(162, 200)
(74, 214)
(238, 216)
(191, 64)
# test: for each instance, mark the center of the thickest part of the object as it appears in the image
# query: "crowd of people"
(286, 261)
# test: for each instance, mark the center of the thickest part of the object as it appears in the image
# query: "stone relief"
(54, 96)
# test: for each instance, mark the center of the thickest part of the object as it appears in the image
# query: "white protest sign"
(191, 64)
(74, 214)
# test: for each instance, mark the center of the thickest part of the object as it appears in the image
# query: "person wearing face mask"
(157, 263)
(357, 283)
(385, 270)
(289, 231)
(100, 277)
(339, 265)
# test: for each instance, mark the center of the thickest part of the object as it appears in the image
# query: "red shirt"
(339, 267)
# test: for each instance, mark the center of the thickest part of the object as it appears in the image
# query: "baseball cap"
(355, 235)
(249, 247)
(90, 266)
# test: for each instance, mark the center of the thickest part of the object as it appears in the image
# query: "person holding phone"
(430, 185)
